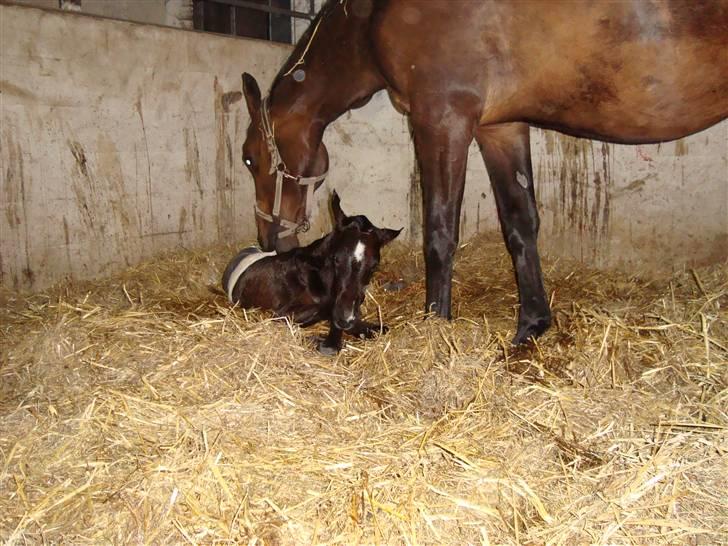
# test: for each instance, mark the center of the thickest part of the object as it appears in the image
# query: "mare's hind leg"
(507, 154)
(441, 142)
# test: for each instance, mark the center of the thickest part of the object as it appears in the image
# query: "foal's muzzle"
(344, 324)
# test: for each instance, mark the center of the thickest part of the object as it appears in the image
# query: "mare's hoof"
(531, 330)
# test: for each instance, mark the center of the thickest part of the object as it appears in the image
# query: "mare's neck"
(331, 70)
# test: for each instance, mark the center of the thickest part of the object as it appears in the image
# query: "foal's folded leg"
(303, 315)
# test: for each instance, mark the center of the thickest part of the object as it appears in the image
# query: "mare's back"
(630, 71)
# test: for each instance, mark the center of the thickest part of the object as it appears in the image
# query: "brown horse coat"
(629, 71)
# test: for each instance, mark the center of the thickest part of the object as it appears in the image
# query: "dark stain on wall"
(140, 112)
(182, 221)
(345, 137)
(681, 147)
(105, 210)
(120, 209)
(224, 167)
(80, 156)
(15, 91)
(581, 202)
(66, 237)
(193, 174)
(83, 188)
(414, 196)
(229, 98)
(16, 212)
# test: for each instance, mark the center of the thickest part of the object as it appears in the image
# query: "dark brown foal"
(325, 280)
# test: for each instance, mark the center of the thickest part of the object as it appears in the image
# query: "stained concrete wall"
(653, 207)
(120, 141)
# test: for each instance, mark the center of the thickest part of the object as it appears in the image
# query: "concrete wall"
(119, 141)
(175, 13)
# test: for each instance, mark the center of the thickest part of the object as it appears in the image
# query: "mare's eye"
(248, 161)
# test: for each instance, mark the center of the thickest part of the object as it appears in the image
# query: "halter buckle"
(304, 226)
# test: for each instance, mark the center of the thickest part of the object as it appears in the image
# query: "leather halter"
(279, 167)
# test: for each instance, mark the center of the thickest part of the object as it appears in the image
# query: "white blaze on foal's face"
(359, 252)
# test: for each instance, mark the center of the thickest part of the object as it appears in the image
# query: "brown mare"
(628, 71)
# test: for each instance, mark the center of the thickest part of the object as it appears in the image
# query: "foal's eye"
(248, 161)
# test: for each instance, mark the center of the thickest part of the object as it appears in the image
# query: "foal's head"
(355, 247)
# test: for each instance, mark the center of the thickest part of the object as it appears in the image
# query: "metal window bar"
(270, 8)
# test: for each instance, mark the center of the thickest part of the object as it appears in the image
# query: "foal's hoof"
(531, 330)
(323, 345)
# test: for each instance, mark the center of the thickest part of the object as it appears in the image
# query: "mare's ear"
(339, 215)
(386, 235)
(251, 92)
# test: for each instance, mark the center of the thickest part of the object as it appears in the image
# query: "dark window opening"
(262, 19)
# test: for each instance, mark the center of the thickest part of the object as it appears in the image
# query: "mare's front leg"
(507, 154)
(442, 137)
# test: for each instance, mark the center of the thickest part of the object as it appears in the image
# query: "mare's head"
(354, 251)
(284, 154)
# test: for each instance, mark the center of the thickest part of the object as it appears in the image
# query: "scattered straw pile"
(142, 409)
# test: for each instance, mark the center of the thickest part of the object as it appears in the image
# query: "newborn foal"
(325, 280)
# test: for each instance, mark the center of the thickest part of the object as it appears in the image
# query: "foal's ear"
(386, 235)
(251, 92)
(339, 215)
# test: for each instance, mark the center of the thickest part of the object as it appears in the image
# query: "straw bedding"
(142, 409)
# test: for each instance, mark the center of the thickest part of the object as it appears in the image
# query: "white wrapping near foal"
(238, 266)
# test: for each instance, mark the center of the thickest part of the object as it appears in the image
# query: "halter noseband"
(279, 167)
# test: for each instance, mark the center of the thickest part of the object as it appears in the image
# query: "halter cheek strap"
(281, 171)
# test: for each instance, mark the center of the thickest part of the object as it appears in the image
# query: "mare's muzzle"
(284, 228)
(269, 239)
